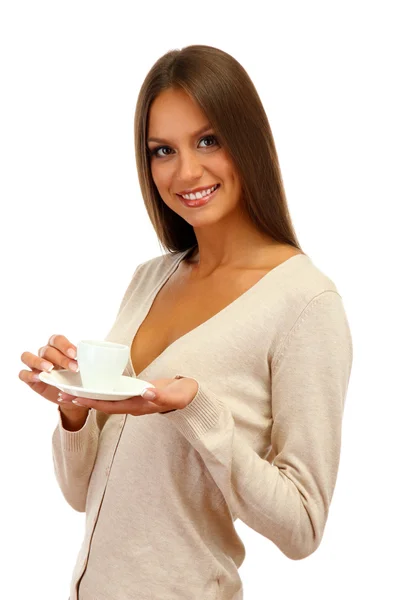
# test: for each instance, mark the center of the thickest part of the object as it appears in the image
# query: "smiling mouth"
(199, 202)
(203, 194)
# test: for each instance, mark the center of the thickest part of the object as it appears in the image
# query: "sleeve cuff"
(75, 441)
(198, 417)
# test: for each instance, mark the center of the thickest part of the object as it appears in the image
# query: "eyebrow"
(195, 134)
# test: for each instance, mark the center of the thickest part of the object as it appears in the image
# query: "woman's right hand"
(55, 354)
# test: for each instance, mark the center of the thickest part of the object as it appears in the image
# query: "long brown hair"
(224, 91)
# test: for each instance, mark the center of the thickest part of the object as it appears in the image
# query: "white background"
(74, 228)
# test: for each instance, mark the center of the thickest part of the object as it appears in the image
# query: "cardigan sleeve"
(286, 501)
(74, 453)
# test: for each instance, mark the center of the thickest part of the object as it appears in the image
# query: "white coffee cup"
(101, 363)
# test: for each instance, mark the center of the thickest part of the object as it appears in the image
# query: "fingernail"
(46, 366)
(73, 366)
(77, 403)
(148, 395)
(71, 353)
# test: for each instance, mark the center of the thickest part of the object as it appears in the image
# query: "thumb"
(179, 393)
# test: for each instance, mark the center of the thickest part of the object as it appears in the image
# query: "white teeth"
(199, 195)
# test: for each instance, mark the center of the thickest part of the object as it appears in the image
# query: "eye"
(155, 151)
(209, 137)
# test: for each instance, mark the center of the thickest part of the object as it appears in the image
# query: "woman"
(257, 335)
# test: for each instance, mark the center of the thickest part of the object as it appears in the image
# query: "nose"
(189, 167)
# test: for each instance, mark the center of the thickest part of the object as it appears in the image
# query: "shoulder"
(301, 279)
(291, 286)
(153, 271)
(303, 296)
(159, 265)
(148, 274)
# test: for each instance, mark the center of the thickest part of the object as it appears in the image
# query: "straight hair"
(224, 91)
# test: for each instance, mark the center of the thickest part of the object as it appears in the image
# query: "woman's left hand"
(171, 394)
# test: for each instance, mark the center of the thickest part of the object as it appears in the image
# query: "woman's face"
(187, 156)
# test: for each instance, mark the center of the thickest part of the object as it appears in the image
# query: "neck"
(257, 253)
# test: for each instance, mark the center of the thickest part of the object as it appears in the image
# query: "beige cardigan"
(260, 442)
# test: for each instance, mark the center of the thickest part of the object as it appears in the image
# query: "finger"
(135, 406)
(64, 397)
(29, 376)
(36, 362)
(60, 352)
(61, 343)
(48, 392)
(176, 395)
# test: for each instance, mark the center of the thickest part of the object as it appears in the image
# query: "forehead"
(174, 113)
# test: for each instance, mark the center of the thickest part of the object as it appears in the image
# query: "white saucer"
(71, 383)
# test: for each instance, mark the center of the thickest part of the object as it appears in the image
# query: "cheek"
(225, 167)
(159, 177)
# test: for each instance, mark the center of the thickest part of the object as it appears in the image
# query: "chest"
(179, 307)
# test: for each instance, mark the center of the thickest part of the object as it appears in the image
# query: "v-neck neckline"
(167, 276)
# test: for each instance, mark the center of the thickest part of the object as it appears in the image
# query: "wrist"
(73, 419)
